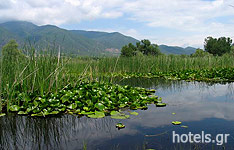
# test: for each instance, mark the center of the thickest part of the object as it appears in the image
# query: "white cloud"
(57, 11)
(198, 17)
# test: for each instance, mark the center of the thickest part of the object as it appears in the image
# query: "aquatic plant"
(176, 122)
(214, 75)
(93, 99)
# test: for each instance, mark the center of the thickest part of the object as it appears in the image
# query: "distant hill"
(72, 41)
(176, 50)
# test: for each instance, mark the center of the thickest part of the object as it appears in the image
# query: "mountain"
(69, 41)
(176, 50)
(114, 39)
(79, 42)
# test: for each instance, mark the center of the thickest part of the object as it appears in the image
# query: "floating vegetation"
(184, 126)
(173, 113)
(208, 75)
(118, 115)
(161, 104)
(2, 114)
(176, 122)
(120, 126)
(134, 113)
(93, 99)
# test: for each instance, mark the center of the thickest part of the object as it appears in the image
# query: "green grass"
(150, 64)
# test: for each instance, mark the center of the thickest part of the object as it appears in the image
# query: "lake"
(199, 106)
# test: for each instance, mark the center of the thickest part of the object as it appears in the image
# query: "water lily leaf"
(122, 105)
(120, 126)
(161, 104)
(134, 113)
(72, 106)
(184, 126)
(42, 100)
(65, 98)
(37, 115)
(99, 106)
(176, 122)
(22, 113)
(14, 108)
(2, 114)
(35, 103)
(97, 114)
(115, 113)
(120, 117)
(86, 113)
(54, 112)
(86, 108)
(152, 90)
(173, 113)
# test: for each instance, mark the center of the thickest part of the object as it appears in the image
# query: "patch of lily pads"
(207, 75)
(91, 99)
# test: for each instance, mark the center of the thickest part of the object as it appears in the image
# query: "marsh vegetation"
(48, 84)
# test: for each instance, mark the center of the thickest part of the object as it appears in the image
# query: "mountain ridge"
(79, 42)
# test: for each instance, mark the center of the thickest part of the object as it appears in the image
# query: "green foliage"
(94, 99)
(145, 47)
(34, 73)
(218, 46)
(232, 50)
(10, 59)
(209, 75)
(128, 50)
(200, 53)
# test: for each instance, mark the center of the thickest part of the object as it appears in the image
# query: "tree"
(147, 48)
(128, 50)
(142, 48)
(200, 53)
(218, 46)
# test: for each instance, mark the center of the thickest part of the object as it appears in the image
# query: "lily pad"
(120, 117)
(134, 113)
(14, 108)
(99, 106)
(184, 126)
(176, 122)
(72, 106)
(120, 126)
(2, 114)
(22, 113)
(115, 113)
(86, 113)
(161, 104)
(97, 114)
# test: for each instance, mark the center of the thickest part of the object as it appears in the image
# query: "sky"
(171, 22)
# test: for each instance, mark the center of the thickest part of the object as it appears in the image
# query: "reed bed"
(147, 64)
(43, 72)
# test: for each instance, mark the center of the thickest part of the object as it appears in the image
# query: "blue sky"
(172, 22)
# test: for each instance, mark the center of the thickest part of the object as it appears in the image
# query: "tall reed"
(35, 73)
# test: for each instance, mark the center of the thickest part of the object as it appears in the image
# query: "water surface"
(200, 106)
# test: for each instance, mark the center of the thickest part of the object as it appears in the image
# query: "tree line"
(212, 46)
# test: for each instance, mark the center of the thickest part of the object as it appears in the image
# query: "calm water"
(200, 106)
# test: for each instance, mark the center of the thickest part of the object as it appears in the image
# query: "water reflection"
(201, 106)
